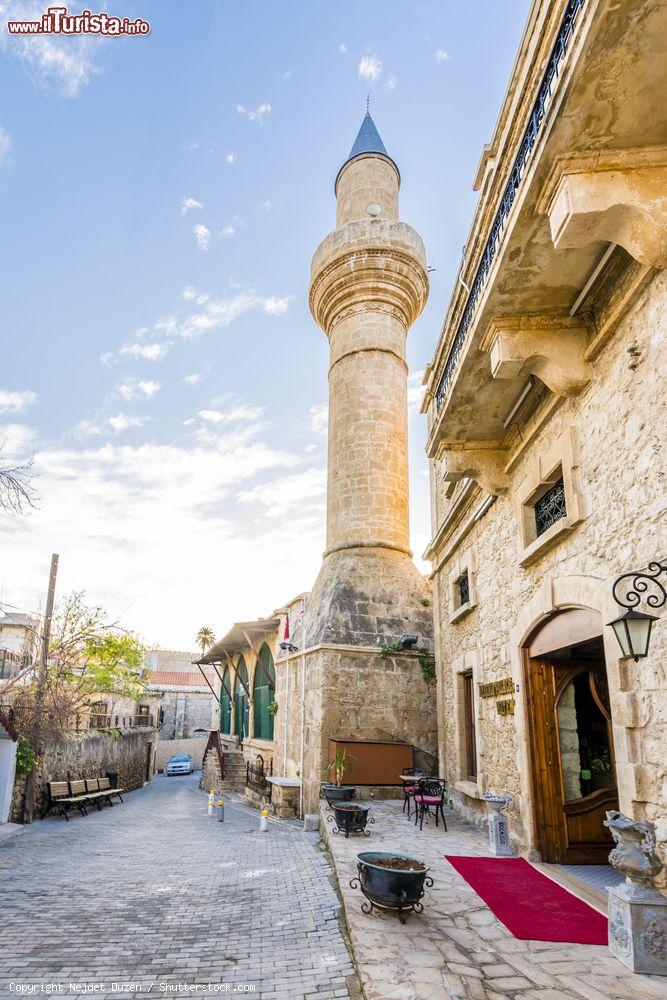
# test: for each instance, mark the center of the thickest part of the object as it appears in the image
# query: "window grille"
(464, 590)
(550, 508)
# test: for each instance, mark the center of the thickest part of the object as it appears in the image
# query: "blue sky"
(160, 201)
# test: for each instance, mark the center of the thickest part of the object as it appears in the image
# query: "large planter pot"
(350, 817)
(391, 882)
(332, 793)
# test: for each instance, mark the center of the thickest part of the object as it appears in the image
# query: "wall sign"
(495, 688)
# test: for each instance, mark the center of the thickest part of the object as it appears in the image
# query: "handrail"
(526, 146)
(214, 743)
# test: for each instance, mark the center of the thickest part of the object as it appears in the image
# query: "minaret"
(369, 283)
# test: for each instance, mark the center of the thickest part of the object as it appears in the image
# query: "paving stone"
(155, 891)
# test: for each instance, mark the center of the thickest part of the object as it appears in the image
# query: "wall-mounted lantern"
(633, 628)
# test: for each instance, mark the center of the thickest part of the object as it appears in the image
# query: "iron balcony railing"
(567, 30)
(105, 721)
(256, 777)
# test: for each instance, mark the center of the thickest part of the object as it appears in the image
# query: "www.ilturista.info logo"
(57, 21)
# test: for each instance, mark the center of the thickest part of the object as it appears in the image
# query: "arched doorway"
(571, 741)
(241, 701)
(263, 690)
(226, 703)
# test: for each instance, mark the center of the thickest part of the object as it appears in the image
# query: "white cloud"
(319, 418)
(17, 441)
(65, 64)
(123, 422)
(441, 55)
(86, 429)
(244, 413)
(281, 496)
(202, 235)
(106, 357)
(257, 115)
(230, 158)
(415, 390)
(14, 402)
(5, 144)
(267, 205)
(189, 203)
(275, 307)
(149, 352)
(191, 294)
(227, 232)
(370, 68)
(192, 379)
(133, 389)
(391, 83)
(219, 313)
(342, 48)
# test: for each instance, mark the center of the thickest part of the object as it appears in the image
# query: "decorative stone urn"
(637, 911)
(499, 828)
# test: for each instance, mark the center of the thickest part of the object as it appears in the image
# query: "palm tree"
(205, 638)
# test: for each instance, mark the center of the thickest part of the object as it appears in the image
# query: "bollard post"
(211, 801)
(264, 821)
(221, 811)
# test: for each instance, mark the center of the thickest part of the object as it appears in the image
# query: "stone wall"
(184, 712)
(616, 427)
(91, 754)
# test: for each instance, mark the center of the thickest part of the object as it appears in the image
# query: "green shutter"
(225, 703)
(263, 694)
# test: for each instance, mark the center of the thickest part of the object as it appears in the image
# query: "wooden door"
(573, 763)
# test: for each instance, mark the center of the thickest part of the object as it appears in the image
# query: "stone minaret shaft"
(368, 285)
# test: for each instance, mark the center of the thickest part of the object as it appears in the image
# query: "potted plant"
(341, 763)
(391, 882)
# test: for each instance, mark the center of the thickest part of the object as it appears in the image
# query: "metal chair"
(430, 794)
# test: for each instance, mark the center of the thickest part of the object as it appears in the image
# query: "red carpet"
(530, 905)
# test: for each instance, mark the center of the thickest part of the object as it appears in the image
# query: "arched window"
(263, 694)
(241, 701)
(226, 703)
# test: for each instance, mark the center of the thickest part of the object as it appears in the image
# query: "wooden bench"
(63, 800)
(64, 795)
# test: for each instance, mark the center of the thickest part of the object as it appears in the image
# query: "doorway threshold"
(587, 882)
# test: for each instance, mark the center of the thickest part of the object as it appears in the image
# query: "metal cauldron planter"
(351, 817)
(391, 881)
(335, 793)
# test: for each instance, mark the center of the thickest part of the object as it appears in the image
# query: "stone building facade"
(546, 419)
(369, 283)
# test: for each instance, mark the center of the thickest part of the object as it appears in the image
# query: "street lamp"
(633, 628)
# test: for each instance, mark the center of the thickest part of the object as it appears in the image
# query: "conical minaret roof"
(368, 141)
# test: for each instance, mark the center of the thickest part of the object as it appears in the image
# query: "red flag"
(286, 635)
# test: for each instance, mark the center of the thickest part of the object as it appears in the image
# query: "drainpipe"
(303, 702)
(287, 659)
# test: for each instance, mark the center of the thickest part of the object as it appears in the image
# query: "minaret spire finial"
(368, 103)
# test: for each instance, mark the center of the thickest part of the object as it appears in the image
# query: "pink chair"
(430, 794)
(409, 789)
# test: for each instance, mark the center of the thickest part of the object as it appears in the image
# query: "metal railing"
(256, 777)
(106, 721)
(566, 31)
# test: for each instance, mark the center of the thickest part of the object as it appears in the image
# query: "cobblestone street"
(457, 949)
(154, 893)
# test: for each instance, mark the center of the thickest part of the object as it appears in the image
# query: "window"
(469, 723)
(263, 691)
(462, 590)
(550, 508)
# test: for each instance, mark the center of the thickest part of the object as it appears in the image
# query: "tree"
(16, 492)
(205, 638)
(88, 653)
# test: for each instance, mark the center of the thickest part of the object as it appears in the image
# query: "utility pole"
(29, 807)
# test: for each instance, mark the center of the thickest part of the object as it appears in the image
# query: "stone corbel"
(616, 196)
(551, 347)
(485, 465)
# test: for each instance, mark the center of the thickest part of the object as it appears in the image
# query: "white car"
(180, 763)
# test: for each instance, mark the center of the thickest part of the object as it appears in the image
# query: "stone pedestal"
(499, 835)
(638, 928)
